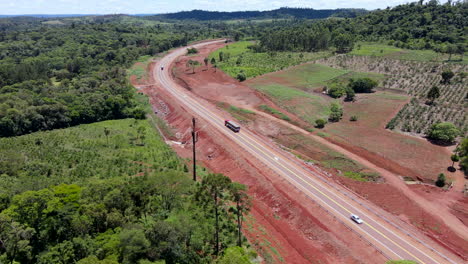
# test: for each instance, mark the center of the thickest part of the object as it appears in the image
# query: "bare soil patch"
(284, 217)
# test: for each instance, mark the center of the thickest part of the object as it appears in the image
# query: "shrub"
(446, 76)
(336, 90)
(192, 51)
(353, 118)
(349, 94)
(241, 76)
(336, 112)
(445, 132)
(320, 123)
(440, 180)
(362, 85)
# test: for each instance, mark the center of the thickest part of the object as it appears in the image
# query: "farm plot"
(305, 105)
(293, 89)
(237, 57)
(415, 79)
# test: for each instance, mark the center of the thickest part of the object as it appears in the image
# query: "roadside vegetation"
(139, 69)
(238, 58)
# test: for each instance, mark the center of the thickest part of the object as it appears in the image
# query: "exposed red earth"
(288, 217)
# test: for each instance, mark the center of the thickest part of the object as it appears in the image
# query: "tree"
(62, 253)
(192, 64)
(241, 76)
(213, 61)
(205, 60)
(336, 90)
(433, 94)
(107, 132)
(362, 85)
(444, 132)
(243, 203)
(349, 94)
(462, 151)
(343, 43)
(320, 123)
(353, 118)
(234, 255)
(454, 158)
(214, 187)
(239, 61)
(133, 244)
(440, 180)
(450, 49)
(15, 240)
(336, 112)
(192, 51)
(446, 76)
(221, 56)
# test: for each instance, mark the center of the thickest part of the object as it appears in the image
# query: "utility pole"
(194, 140)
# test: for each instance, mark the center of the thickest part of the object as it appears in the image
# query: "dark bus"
(231, 125)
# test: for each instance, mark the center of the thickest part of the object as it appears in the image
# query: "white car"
(356, 219)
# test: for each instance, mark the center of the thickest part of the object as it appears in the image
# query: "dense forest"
(281, 13)
(440, 27)
(54, 77)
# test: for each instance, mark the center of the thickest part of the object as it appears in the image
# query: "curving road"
(390, 241)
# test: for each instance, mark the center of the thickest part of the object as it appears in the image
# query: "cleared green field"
(305, 105)
(139, 68)
(237, 58)
(310, 75)
(383, 50)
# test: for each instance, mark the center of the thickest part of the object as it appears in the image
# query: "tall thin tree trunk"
(239, 226)
(217, 226)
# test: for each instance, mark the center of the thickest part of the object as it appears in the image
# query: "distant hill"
(48, 16)
(285, 12)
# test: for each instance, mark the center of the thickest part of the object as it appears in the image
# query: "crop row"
(416, 79)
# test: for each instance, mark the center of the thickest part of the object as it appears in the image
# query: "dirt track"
(300, 236)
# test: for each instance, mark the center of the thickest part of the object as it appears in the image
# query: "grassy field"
(305, 105)
(310, 75)
(293, 89)
(139, 68)
(383, 50)
(73, 155)
(255, 64)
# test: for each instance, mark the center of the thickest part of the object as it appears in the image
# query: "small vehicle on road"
(356, 219)
(232, 125)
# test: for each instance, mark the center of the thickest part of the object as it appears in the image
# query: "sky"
(15, 7)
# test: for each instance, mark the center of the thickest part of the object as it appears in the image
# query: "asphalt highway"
(387, 239)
